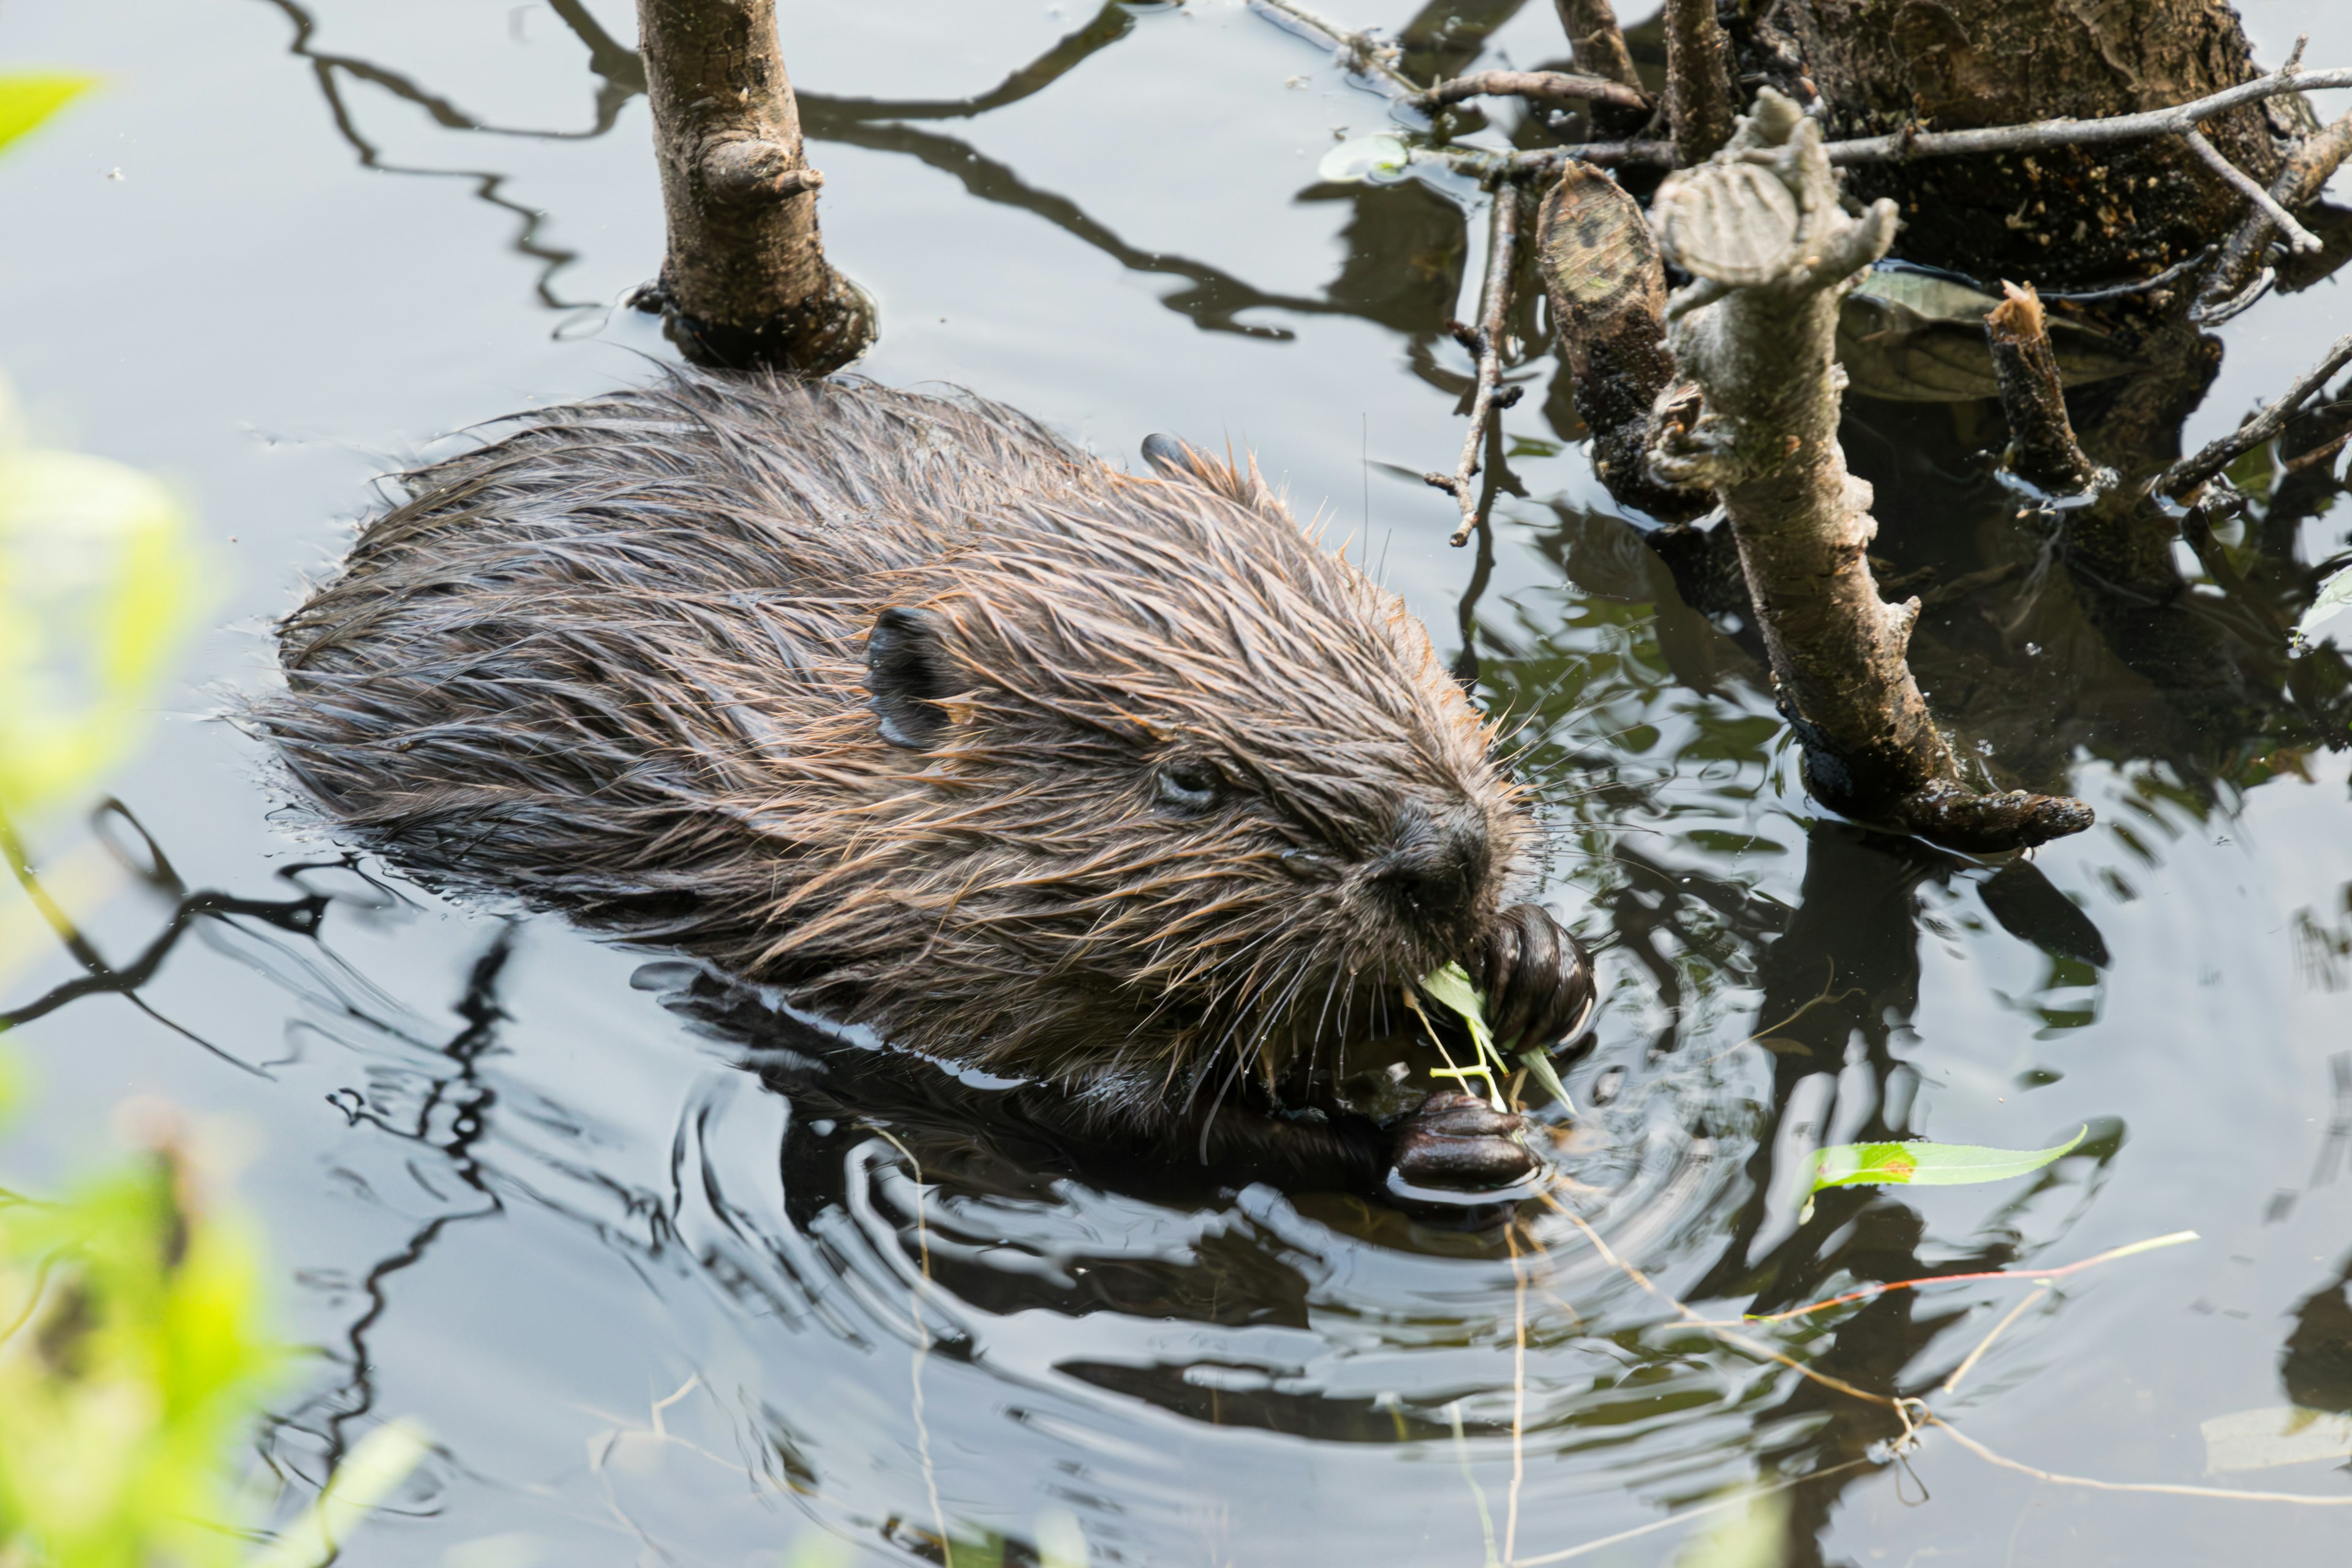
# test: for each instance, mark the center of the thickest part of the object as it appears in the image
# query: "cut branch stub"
(2042, 450)
(1601, 267)
(745, 284)
(1760, 228)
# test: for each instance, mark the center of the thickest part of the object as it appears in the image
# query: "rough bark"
(1598, 46)
(2065, 217)
(1698, 79)
(745, 283)
(1608, 291)
(1762, 230)
(1595, 40)
(2042, 450)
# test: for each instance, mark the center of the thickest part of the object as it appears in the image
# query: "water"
(662, 1297)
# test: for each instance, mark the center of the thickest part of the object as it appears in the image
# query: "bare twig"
(2043, 447)
(2305, 175)
(1486, 342)
(2162, 1489)
(1902, 146)
(1560, 87)
(1361, 52)
(2297, 236)
(2033, 1276)
(2185, 477)
(1969, 1361)
(1698, 79)
(2173, 121)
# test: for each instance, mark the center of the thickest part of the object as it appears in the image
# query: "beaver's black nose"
(1435, 867)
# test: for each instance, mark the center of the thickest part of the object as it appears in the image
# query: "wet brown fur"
(615, 664)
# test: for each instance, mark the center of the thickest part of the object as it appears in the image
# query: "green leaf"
(2334, 595)
(1925, 1164)
(97, 582)
(29, 97)
(1379, 159)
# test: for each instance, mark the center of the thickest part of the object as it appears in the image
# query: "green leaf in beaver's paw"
(1450, 987)
(1924, 1164)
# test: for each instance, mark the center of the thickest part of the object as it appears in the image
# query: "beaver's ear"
(905, 669)
(1180, 462)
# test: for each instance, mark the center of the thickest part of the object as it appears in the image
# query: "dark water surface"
(661, 1299)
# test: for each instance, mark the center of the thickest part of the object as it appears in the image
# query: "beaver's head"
(1202, 778)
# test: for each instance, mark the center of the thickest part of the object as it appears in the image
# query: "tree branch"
(1698, 79)
(1558, 87)
(1905, 146)
(1361, 52)
(2306, 173)
(1761, 231)
(2042, 450)
(2181, 482)
(1486, 342)
(1596, 42)
(2297, 236)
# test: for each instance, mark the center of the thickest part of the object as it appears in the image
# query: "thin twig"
(1362, 51)
(2039, 133)
(1560, 87)
(2165, 1489)
(2191, 474)
(2306, 172)
(2297, 236)
(1871, 1292)
(1502, 251)
(1903, 146)
(1519, 1394)
(1969, 1361)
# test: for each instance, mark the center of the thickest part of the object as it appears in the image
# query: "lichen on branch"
(1759, 228)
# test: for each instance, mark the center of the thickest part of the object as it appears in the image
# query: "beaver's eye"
(1189, 785)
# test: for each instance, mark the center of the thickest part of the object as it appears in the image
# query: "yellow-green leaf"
(1925, 1164)
(29, 97)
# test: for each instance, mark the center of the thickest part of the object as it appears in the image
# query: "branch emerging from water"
(1760, 228)
(2182, 480)
(1486, 342)
(2042, 450)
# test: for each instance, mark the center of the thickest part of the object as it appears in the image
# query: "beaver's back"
(547, 670)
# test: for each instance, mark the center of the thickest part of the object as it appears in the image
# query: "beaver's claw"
(1458, 1140)
(1537, 979)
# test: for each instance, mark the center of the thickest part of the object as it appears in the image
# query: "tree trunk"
(2066, 218)
(745, 284)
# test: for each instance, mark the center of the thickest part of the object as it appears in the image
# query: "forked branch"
(1487, 341)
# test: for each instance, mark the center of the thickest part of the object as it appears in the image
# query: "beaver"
(901, 705)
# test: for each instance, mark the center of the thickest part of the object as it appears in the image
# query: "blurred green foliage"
(29, 97)
(132, 1363)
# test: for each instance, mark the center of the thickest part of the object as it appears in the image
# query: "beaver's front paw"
(1459, 1141)
(1537, 980)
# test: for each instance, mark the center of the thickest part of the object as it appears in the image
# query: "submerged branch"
(1487, 341)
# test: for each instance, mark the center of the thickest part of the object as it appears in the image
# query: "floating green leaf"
(27, 97)
(1925, 1164)
(1378, 159)
(2334, 595)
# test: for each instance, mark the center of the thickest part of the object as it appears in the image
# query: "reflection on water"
(701, 1281)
